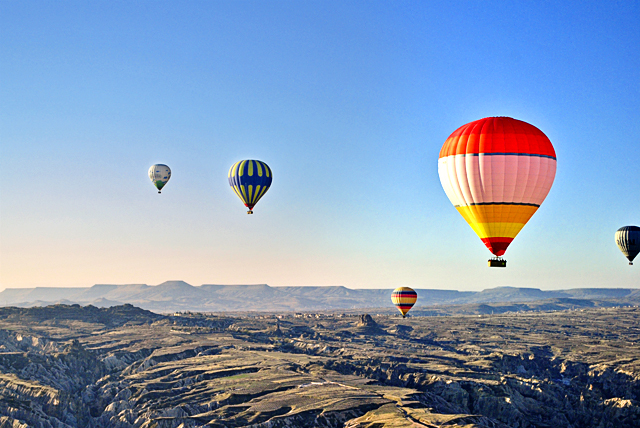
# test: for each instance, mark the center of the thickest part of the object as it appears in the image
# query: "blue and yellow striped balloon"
(250, 179)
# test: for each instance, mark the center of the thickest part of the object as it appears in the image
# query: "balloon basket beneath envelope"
(497, 262)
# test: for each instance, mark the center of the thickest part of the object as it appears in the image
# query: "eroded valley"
(74, 366)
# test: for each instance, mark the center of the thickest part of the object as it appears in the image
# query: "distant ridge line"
(179, 295)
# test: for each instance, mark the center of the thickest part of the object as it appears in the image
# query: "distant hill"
(113, 316)
(171, 296)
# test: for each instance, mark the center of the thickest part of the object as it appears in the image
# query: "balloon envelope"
(159, 175)
(628, 240)
(404, 298)
(250, 179)
(496, 172)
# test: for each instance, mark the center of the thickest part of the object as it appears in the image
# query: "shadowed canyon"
(83, 366)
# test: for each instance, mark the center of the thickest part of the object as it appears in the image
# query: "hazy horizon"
(312, 285)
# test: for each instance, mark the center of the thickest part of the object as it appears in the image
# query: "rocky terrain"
(74, 366)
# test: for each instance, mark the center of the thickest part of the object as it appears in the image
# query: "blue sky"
(348, 102)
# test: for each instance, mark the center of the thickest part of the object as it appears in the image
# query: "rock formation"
(123, 367)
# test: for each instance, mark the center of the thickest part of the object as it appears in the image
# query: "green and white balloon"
(159, 175)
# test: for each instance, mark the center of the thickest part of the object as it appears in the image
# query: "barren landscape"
(75, 366)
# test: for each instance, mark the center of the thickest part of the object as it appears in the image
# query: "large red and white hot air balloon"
(497, 171)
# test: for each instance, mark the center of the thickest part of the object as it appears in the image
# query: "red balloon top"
(494, 135)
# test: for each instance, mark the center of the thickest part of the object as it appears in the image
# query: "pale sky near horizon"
(348, 102)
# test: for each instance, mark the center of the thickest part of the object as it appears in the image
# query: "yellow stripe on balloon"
(497, 220)
(497, 213)
(241, 169)
(237, 192)
(259, 166)
(250, 200)
(235, 189)
(232, 170)
(255, 195)
(250, 168)
(264, 189)
(497, 230)
(403, 300)
(266, 167)
(244, 194)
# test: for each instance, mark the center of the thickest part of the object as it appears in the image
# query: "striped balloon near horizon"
(628, 240)
(497, 171)
(250, 180)
(404, 298)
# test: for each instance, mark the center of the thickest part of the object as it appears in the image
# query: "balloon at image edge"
(250, 179)
(159, 175)
(404, 298)
(628, 240)
(496, 172)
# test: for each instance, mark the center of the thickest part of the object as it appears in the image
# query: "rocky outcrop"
(366, 321)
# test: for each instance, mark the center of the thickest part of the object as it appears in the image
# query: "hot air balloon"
(404, 298)
(250, 179)
(159, 175)
(496, 172)
(628, 240)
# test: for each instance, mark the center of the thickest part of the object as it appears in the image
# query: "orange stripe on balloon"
(497, 213)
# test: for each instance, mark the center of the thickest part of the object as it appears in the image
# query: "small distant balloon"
(250, 180)
(628, 240)
(404, 298)
(159, 175)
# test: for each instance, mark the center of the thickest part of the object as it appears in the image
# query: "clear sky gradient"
(348, 102)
